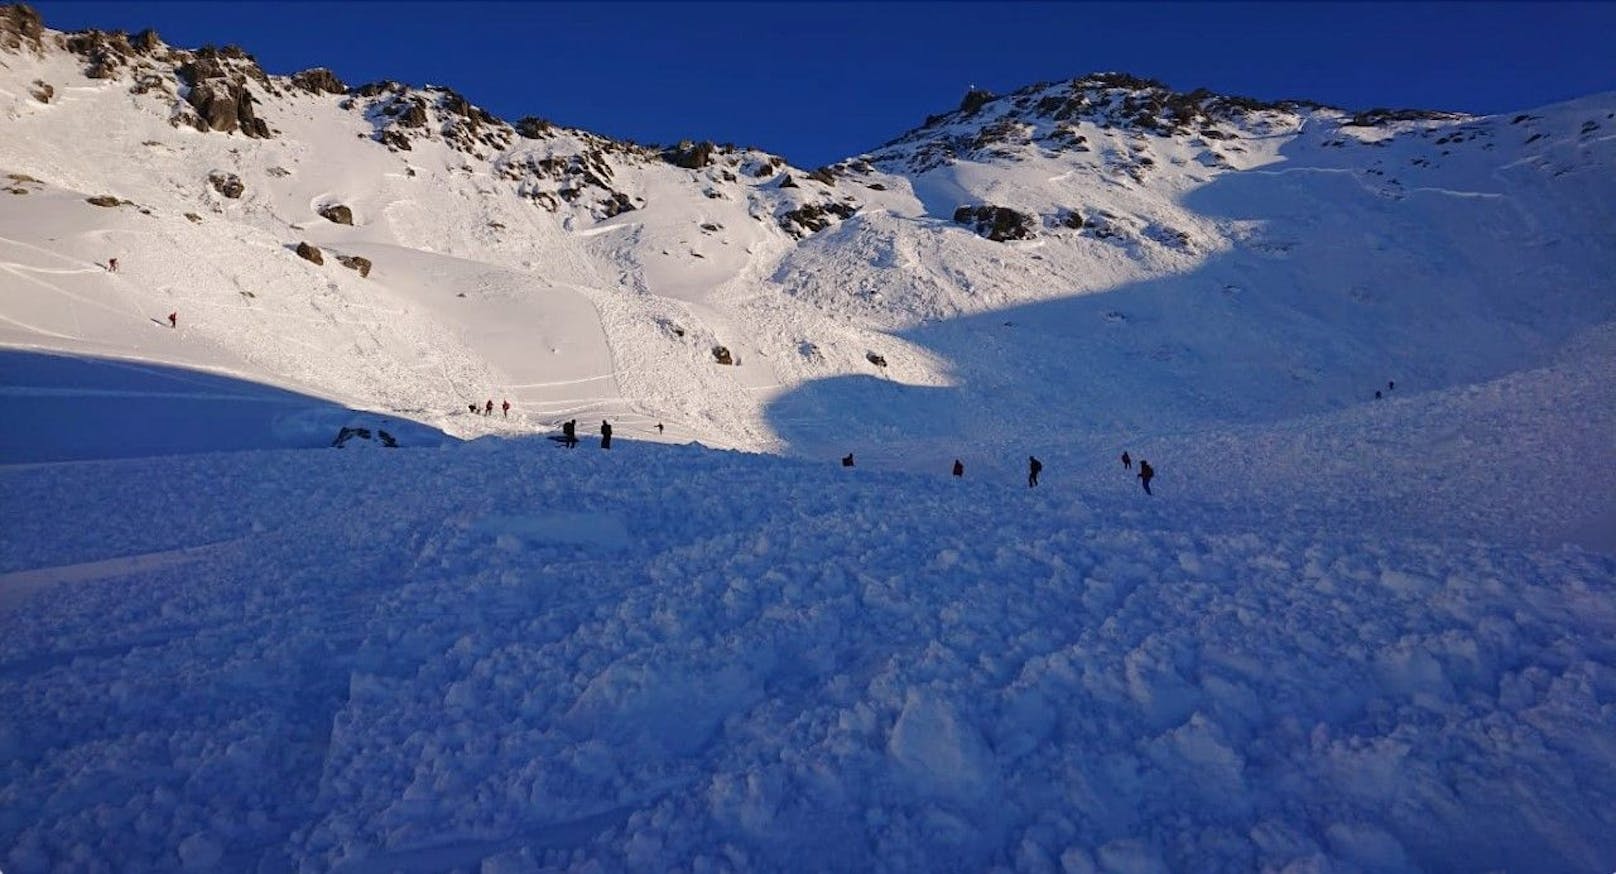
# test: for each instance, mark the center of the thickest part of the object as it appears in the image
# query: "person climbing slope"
(959, 467)
(1145, 474)
(1034, 467)
(605, 434)
(1127, 460)
(505, 407)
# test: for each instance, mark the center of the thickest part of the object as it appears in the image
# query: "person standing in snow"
(1034, 466)
(1127, 460)
(1145, 473)
(847, 460)
(473, 408)
(1377, 394)
(959, 467)
(659, 427)
(605, 434)
(569, 433)
(1391, 384)
(112, 265)
(489, 409)
(174, 319)
(505, 407)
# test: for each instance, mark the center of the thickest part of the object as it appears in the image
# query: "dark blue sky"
(822, 81)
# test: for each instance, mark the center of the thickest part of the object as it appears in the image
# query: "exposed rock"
(394, 140)
(996, 223)
(788, 182)
(319, 80)
(20, 26)
(617, 204)
(811, 218)
(356, 262)
(722, 356)
(1070, 219)
(975, 99)
(532, 127)
(42, 91)
(877, 360)
(337, 213)
(691, 156)
(193, 218)
(765, 170)
(346, 435)
(876, 186)
(226, 106)
(146, 42)
(106, 200)
(310, 253)
(227, 184)
(825, 175)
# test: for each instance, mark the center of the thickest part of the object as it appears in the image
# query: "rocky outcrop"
(21, 29)
(996, 223)
(337, 213)
(220, 97)
(42, 91)
(877, 360)
(319, 80)
(722, 356)
(811, 218)
(532, 127)
(355, 262)
(309, 252)
(107, 200)
(227, 184)
(689, 155)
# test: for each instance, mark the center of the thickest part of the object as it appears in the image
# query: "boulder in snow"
(996, 223)
(337, 213)
(355, 262)
(722, 356)
(319, 80)
(42, 91)
(310, 253)
(227, 184)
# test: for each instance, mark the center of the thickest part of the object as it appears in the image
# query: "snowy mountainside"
(1160, 259)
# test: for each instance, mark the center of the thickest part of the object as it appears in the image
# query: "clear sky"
(817, 82)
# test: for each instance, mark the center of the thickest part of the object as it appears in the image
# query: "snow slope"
(1232, 262)
(1344, 634)
(516, 657)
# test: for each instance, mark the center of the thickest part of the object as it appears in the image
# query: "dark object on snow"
(605, 434)
(1377, 394)
(338, 213)
(227, 184)
(489, 410)
(355, 262)
(659, 427)
(722, 356)
(174, 319)
(1391, 384)
(996, 223)
(847, 460)
(310, 253)
(112, 265)
(472, 408)
(959, 467)
(875, 359)
(505, 407)
(319, 80)
(1127, 461)
(569, 433)
(1145, 473)
(1034, 466)
(347, 434)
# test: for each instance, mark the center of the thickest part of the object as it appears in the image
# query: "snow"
(1344, 634)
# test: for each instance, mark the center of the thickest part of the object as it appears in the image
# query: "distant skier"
(505, 407)
(112, 265)
(569, 433)
(1391, 384)
(1377, 394)
(489, 410)
(659, 427)
(174, 320)
(605, 434)
(1034, 467)
(847, 460)
(959, 467)
(1145, 473)
(1127, 461)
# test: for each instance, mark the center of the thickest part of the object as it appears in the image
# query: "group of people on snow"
(1035, 467)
